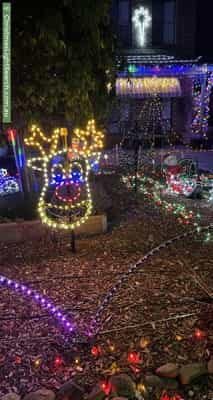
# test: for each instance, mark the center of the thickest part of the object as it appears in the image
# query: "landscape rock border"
(122, 387)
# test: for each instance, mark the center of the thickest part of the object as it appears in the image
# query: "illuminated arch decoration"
(40, 300)
(8, 184)
(141, 21)
(65, 201)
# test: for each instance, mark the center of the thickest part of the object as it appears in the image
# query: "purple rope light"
(40, 300)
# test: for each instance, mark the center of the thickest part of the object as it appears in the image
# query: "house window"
(169, 22)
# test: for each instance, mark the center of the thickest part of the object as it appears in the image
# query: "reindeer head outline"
(65, 200)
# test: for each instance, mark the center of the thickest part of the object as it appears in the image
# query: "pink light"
(44, 303)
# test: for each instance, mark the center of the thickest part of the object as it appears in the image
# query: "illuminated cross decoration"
(141, 20)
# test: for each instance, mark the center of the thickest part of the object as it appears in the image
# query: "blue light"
(95, 165)
(76, 177)
(56, 179)
(57, 160)
(8, 184)
(159, 70)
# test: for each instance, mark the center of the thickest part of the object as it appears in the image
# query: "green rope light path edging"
(96, 325)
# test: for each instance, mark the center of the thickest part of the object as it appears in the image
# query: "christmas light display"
(141, 21)
(58, 362)
(199, 335)
(8, 184)
(96, 322)
(180, 175)
(150, 120)
(153, 189)
(65, 201)
(38, 299)
(181, 185)
(196, 121)
(162, 65)
(165, 396)
(183, 177)
(211, 196)
(134, 357)
(148, 126)
(206, 104)
(150, 86)
(106, 387)
(201, 105)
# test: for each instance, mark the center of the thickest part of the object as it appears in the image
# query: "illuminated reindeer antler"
(38, 140)
(91, 141)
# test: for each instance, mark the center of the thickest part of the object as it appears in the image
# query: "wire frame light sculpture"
(65, 161)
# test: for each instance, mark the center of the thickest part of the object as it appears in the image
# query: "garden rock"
(169, 370)
(210, 367)
(70, 391)
(10, 396)
(123, 386)
(192, 371)
(154, 381)
(41, 394)
(96, 394)
(119, 398)
(170, 383)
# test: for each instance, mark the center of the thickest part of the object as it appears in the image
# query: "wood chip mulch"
(172, 283)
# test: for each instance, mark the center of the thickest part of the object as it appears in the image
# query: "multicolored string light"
(155, 193)
(154, 190)
(196, 122)
(206, 104)
(201, 105)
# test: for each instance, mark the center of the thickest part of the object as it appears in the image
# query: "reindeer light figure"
(65, 201)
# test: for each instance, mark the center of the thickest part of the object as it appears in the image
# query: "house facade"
(159, 53)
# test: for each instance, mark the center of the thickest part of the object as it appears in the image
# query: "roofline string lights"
(140, 25)
(40, 300)
(85, 145)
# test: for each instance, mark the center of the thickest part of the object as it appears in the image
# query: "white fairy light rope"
(95, 324)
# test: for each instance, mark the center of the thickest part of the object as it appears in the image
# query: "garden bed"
(148, 306)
